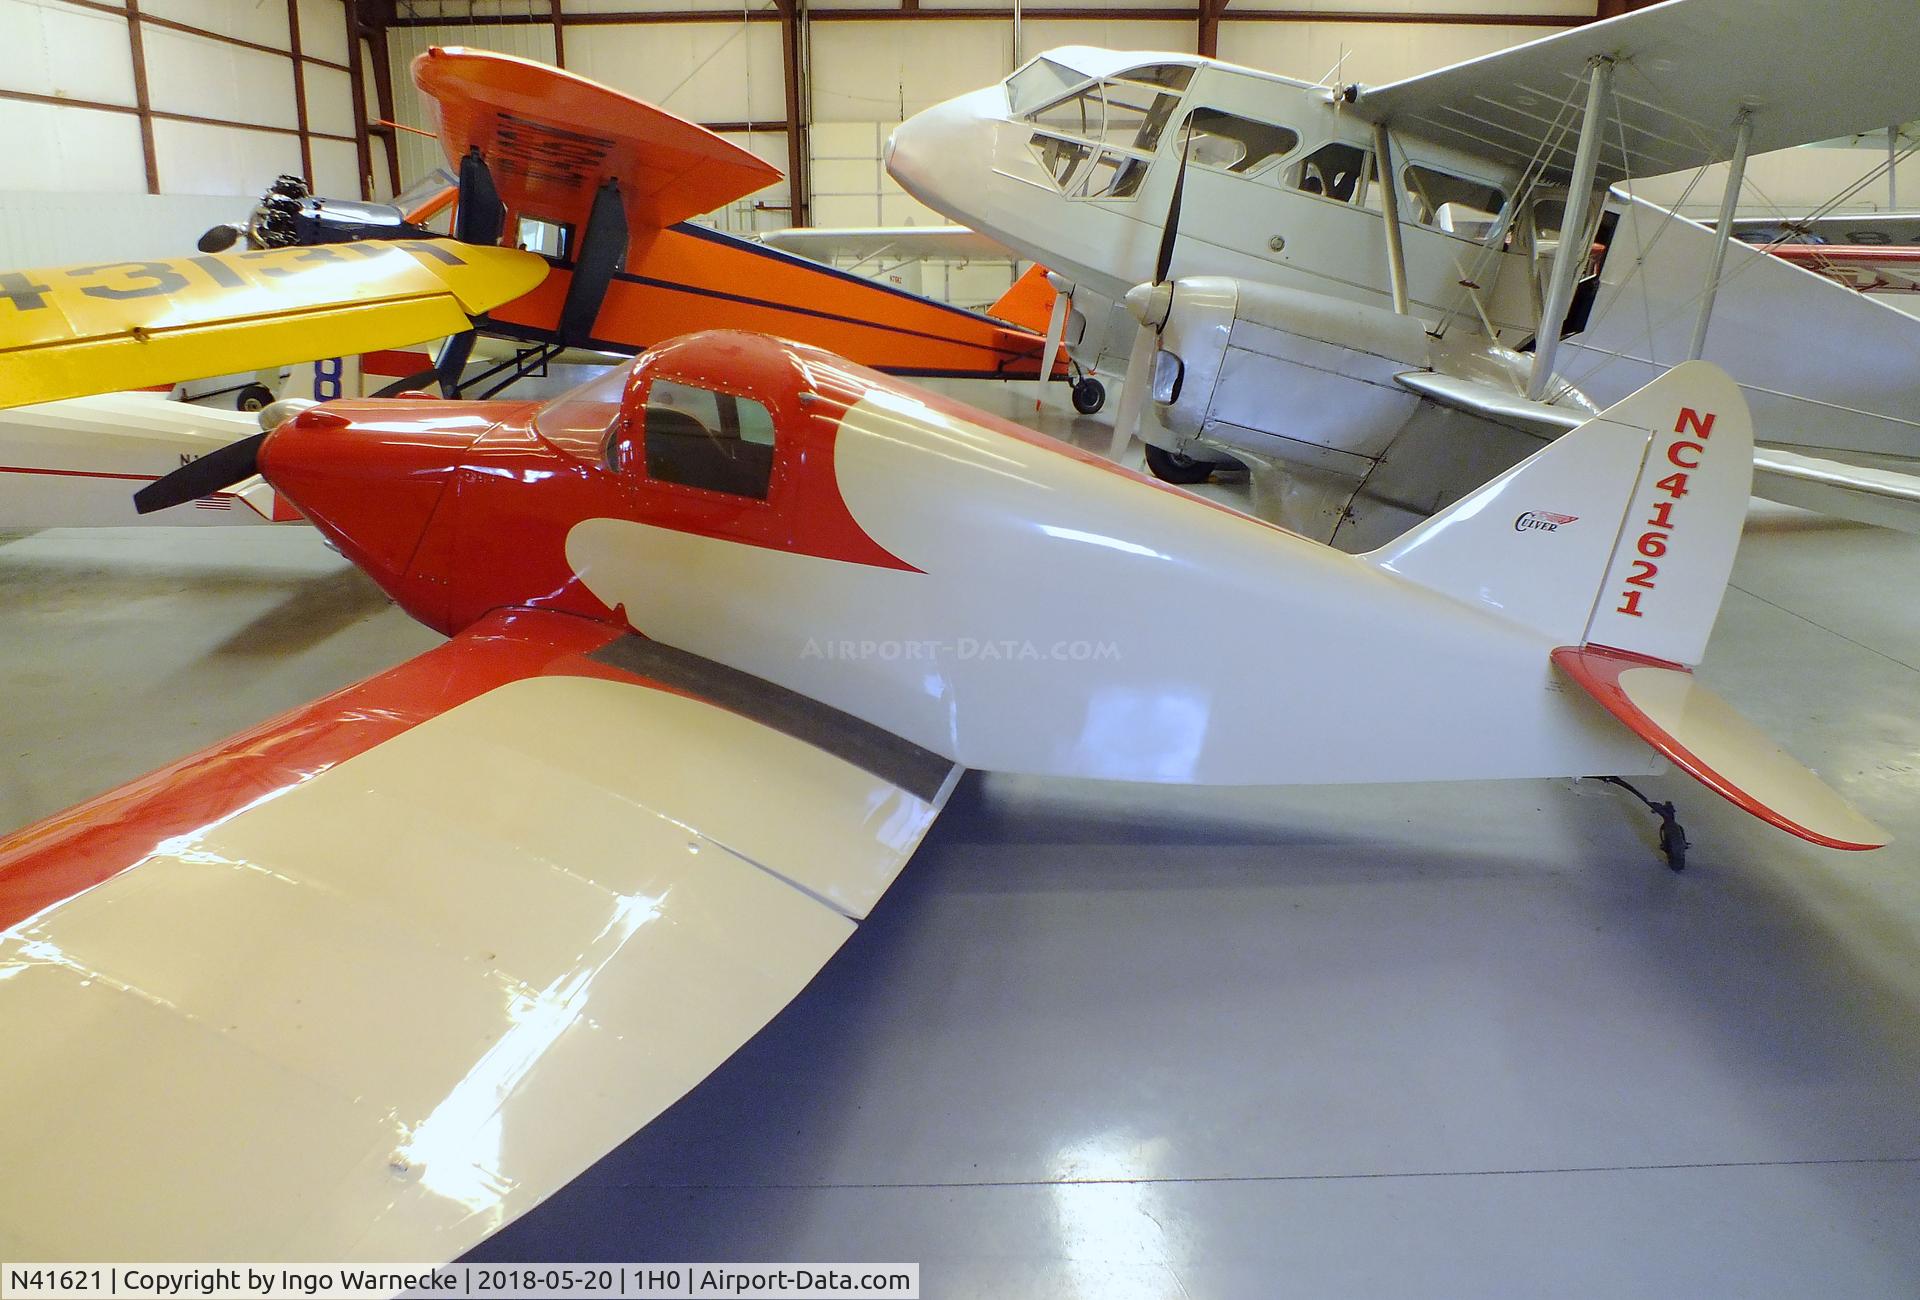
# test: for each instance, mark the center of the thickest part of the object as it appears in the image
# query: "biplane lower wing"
(688, 278)
(376, 977)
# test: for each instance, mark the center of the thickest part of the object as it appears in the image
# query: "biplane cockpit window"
(1334, 171)
(1098, 142)
(1236, 144)
(1457, 204)
(1038, 82)
(700, 438)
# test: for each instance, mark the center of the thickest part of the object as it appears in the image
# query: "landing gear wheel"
(1089, 395)
(254, 397)
(1172, 467)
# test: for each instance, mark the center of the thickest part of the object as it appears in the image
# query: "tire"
(1172, 467)
(1089, 395)
(254, 397)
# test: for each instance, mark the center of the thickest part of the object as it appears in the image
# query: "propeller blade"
(1056, 330)
(1133, 391)
(1171, 231)
(213, 472)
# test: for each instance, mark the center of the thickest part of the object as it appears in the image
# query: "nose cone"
(371, 475)
(944, 155)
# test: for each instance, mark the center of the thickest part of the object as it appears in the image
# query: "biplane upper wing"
(621, 177)
(1684, 70)
(376, 977)
(552, 138)
(76, 330)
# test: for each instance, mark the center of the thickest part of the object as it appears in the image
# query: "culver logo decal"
(1541, 521)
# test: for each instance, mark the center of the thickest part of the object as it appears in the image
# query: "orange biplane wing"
(619, 177)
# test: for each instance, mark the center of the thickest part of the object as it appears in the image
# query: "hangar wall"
(161, 103)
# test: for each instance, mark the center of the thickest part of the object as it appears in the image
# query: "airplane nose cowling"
(370, 478)
(943, 155)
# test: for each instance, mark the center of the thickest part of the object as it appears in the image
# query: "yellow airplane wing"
(74, 330)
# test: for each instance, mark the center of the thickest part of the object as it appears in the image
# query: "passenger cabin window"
(1334, 171)
(1457, 204)
(1236, 144)
(699, 438)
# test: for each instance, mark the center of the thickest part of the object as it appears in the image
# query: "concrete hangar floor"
(1132, 1041)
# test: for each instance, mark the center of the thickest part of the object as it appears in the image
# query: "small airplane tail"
(1028, 303)
(1616, 541)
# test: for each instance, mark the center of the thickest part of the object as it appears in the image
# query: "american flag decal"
(221, 502)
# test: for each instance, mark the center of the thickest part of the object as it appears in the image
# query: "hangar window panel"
(699, 438)
(1236, 144)
(1039, 82)
(1452, 203)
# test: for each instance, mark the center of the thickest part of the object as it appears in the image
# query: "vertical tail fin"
(1621, 533)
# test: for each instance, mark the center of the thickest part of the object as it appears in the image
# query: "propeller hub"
(1151, 304)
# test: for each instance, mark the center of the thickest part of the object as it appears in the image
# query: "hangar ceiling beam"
(794, 63)
(142, 103)
(1208, 42)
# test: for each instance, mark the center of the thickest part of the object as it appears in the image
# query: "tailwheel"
(1089, 395)
(254, 397)
(1172, 467)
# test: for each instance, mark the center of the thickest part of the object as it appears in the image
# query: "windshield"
(578, 420)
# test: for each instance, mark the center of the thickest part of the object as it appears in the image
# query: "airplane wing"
(618, 178)
(1684, 70)
(76, 463)
(823, 242)
(1868, 268)
(552, 138)
(373, 979)
(71, 331)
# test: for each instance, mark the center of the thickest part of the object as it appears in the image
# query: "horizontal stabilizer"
(1703, 736)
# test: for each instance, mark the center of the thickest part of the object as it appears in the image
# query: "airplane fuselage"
(986, 593)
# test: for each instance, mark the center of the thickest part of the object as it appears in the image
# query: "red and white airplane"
(377, 976)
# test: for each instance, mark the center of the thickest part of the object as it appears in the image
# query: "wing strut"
(602, 246)
(1573, 250)
(1736, 178)
(1390, 214)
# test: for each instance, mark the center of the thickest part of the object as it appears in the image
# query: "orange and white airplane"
(726, 627)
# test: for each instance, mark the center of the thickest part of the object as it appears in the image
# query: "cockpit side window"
(699, 438)
(1236, 144)
(1334, 171)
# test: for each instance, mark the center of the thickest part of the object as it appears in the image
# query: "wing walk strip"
(920, 772)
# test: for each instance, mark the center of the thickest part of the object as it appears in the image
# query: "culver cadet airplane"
(1378, 297)
(416, 955)
(598, 184)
